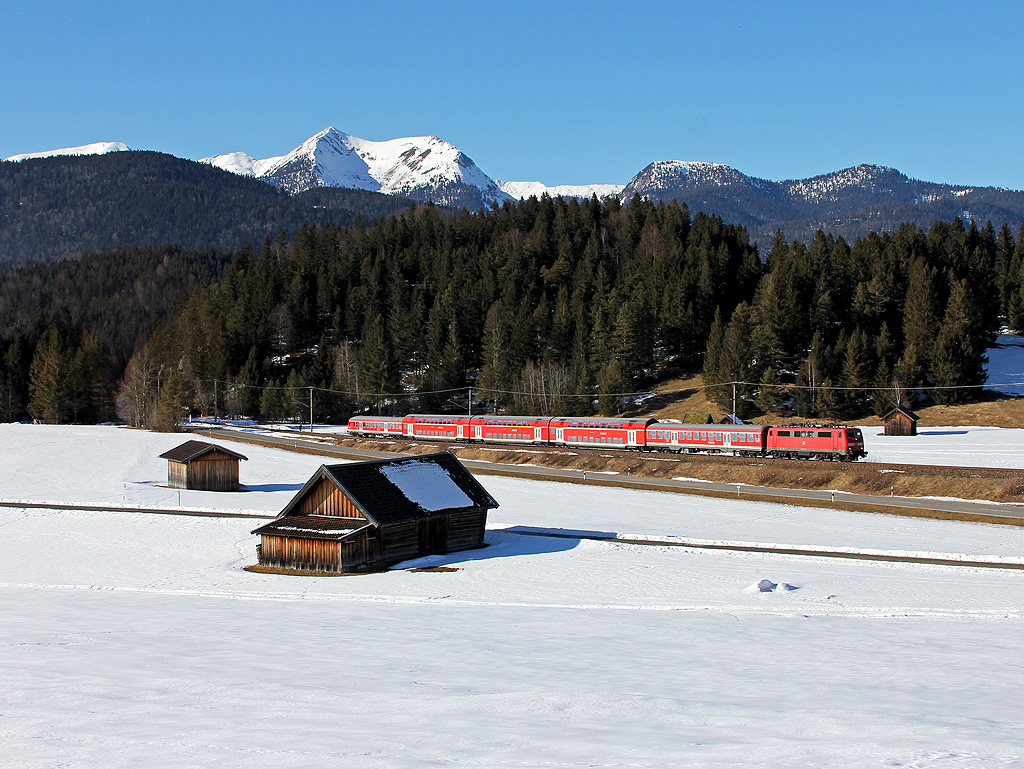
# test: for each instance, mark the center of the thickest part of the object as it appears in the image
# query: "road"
(985, 512)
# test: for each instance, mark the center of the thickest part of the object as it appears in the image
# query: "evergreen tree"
(495, 378)
(828, 400)
(92, 375)
(770, 395)
(858, 364)
(171, 405)
(275, 403)
(716, 364)
(920, 326)
(50, 382)
(959, 354)
(611, 382)
(377, 364)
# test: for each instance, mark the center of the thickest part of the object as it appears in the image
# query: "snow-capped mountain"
(523, 190)
(99, 148)
(849, 202)
(422, 168)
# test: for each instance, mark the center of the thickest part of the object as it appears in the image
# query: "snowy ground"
(137, 640)
(1006, 364)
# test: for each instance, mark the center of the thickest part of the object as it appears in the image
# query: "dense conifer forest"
(545, 306)
(61, 207)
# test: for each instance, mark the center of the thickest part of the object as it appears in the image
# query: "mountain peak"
(421, 167)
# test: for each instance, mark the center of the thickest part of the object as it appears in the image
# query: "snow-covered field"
(136, 639)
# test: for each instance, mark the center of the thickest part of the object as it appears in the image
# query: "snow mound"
(767, 586)
(1006, 365)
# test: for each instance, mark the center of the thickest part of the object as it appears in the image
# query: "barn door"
(433, 534)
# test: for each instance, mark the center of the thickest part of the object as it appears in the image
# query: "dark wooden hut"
(202, 466)
(368, 515)
(698, 418)
(901, 421)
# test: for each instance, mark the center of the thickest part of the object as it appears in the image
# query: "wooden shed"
(698, 418)
(368, 515)
(901, 421)
(202, 466)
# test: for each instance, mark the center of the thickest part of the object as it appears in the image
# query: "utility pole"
(216, 413)
(470, 401)
(733, 401)
(311, 409)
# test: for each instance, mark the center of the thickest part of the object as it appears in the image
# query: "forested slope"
(546, 305)
(60, 207)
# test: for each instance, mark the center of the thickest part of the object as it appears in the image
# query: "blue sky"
(559, 92)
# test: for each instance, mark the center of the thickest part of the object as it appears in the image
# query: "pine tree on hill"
(50, 382)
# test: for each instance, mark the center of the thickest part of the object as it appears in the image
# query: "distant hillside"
(851, 202)
(59, 207)
(123, 295)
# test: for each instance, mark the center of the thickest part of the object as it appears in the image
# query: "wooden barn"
(901, 421)
(368, 515)
(202, 466)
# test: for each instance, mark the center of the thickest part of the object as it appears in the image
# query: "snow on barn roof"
(393, 490)
(427, 485)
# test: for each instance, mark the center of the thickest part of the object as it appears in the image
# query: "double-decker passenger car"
(438, 427)
(511, 429)
(386, 426)
(599, 431)
(675, 436)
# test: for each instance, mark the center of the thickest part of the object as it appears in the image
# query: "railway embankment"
(980, 483)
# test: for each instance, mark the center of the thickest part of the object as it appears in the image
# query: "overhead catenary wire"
(469, 388)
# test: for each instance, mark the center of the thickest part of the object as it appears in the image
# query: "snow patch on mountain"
(523, 190)
(866, 176)
(98, 148)
(240, 163)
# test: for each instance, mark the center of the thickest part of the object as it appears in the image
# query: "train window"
(825, 434)
(718, 436)
(784, 433)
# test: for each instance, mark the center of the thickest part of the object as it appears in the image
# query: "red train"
(842, 443)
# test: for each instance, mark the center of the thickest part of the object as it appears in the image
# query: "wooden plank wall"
(177, 475)
(326, 499)
(214, 471)
(466, 530)
(361, 551)
(295, 553)
(399, 541)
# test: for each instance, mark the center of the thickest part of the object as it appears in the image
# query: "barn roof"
(327, 527)
(902, 410)
(191, 450)
(393, 490)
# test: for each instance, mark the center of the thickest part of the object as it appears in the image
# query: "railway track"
(943, 471)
